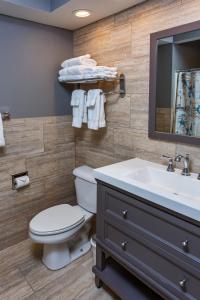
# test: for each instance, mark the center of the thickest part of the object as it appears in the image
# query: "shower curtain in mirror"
(187, 103)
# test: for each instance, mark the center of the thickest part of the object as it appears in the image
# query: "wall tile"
(128, 118)
(23, 137)
(57, 134)
(45, 147)
(49, 148)
(60, 160)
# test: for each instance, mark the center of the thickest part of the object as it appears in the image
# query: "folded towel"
(70, 77)
(95, 106)
(82, 69)
(87, 76)
(81, 60)
(78, 102)
(2, 139)
(77, 70)
(108, 69)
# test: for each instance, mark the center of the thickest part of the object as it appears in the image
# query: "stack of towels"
(84, 67)
(88, 107)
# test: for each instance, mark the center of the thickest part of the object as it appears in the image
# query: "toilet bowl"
(64, 229)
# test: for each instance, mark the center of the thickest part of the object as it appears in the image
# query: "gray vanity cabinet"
(145, 251)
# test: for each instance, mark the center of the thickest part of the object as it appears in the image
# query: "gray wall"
(30, 56)
(164, 76)
(186, 56)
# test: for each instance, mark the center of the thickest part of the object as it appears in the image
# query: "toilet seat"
(57, 219)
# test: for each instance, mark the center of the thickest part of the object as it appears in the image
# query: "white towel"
(84, 69)
(2, 139)
(87, 76)
(76, 70)
(70, 77)
(107, 69)
(95, 106)
(78, 102)
(81, 60)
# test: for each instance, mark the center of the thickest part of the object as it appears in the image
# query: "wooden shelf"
(123, 283)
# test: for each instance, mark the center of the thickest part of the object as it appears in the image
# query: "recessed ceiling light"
(82, 13)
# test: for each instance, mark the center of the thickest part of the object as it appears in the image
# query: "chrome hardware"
(124, 213)
(182, 283)
(198, 177)
(185, 244)
(123, 245)
(5, 116)
(170, 167)
(186, 161)
(120, 78)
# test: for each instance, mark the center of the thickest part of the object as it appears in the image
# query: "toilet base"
(57, 256)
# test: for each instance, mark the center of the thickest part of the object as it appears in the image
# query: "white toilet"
(64, 229)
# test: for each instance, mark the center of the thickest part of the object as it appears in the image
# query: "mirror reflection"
(178, 84)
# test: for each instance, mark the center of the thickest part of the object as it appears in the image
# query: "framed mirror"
(174, 104)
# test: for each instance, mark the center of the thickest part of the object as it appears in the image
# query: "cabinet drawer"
(172, 277)
(177, 233)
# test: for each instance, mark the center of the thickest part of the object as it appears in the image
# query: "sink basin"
(173, 183)
(152, 182)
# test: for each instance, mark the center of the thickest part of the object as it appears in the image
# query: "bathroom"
(43, 152)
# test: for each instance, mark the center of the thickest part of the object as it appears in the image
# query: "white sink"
(152, 182)
(174, 183)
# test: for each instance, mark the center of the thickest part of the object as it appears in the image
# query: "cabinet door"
(178, 235)
(178, 281)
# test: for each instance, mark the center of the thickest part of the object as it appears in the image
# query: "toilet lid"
(56, 219)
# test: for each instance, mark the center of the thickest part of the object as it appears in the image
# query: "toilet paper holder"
(15, 176)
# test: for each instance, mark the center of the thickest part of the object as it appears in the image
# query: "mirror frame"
(154, 37)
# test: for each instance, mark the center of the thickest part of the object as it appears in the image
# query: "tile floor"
(23, 276)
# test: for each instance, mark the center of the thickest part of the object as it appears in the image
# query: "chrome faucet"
(170, 167)
(186, 161)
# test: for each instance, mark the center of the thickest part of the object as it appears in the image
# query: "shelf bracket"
(122, 85)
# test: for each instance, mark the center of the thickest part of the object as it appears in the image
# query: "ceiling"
(59, 12)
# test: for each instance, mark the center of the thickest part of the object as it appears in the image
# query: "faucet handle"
(178, 157)
(170, 167)
(198, 177)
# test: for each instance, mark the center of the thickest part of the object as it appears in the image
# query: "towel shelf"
(120, 78)
(89, 80)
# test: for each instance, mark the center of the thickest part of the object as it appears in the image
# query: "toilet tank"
(86, 188)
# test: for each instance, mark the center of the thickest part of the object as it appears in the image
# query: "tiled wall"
(123, 40)
(45, 148)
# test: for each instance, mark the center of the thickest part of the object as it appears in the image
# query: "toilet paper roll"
(21, 182)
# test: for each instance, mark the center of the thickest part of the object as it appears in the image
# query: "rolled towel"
(81, 60)
(2, 139)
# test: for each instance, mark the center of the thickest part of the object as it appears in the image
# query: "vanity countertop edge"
(116, 176)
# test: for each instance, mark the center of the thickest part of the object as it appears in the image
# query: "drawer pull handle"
(124, 213)
(123, 245)
(182, 284)
(185, 245)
